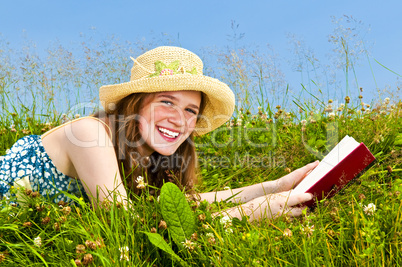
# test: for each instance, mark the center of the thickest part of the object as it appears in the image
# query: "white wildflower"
(229, 230)
(77, 116)
(140, 182)
(303, 122)
(226, 221)
(38, 241)
(209, 235)
(308, 230)
(331, 115)
(124, 253)
(386, 100)
(188, 244)
(139, 179)
(369, 209)
(226, 188)
(287, 232)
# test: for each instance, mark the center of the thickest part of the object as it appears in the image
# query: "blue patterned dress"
(28, 158)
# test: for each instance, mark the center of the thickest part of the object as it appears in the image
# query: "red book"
(345, 162)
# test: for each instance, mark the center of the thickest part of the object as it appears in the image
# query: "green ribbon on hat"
(171, 69)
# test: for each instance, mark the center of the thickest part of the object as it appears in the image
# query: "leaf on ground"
(177, 213)
(158, 241)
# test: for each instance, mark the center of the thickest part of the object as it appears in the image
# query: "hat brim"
(219, 98)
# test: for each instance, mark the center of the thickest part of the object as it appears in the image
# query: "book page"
(336, 155)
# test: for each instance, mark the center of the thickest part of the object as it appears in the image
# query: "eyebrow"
(175, 99)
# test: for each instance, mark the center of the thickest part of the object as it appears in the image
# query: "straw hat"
(168, 68)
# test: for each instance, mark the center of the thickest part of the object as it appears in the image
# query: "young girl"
(146, 130)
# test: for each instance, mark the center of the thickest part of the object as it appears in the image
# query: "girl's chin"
(165, 153)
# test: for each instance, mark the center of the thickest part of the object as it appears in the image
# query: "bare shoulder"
(87, 132)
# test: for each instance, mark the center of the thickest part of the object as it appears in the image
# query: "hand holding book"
(346, 161)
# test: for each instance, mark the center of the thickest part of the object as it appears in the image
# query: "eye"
(167, 102)
(191, 111)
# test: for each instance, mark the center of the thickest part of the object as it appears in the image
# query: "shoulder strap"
(69, 122)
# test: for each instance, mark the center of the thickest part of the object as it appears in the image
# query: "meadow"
(268, 136)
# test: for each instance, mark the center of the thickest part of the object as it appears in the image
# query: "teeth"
(168, 133)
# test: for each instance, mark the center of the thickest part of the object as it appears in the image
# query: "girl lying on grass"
(146, 130)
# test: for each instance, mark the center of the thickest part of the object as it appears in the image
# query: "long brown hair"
(179, 168)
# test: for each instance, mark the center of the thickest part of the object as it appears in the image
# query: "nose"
(177, 118)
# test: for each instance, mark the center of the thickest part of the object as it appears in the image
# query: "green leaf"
(159, 66)
(398, 140)
(174, 65)
(193, 71)
(177, 213)
(158, 241)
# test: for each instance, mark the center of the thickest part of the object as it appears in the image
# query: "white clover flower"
(229, 230)
(140, 182)
(38, 241)
(77, 116)
(287, 232)
(226, 221)
(369, 209)
(140, 179)
(331, 115)
(303, 122)
(308, 230)
(188, 244)
(124, 253)
(209, 235)
(386, 100)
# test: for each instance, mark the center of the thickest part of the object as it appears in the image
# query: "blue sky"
(198, 24)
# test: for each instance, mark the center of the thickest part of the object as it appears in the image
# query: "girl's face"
(167, 119)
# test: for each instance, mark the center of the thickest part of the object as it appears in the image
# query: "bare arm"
(270, 206)
(243, 194)
(247, 193)
(267, 199)
(91, 152)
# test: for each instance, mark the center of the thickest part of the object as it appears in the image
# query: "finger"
(295, 211)
(309, 167)
(306, 170)
(299, 198)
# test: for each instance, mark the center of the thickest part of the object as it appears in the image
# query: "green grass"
(337, 233)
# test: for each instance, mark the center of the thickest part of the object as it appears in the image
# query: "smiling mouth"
(168, 133)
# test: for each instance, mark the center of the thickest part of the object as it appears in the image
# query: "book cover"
(347, 161)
